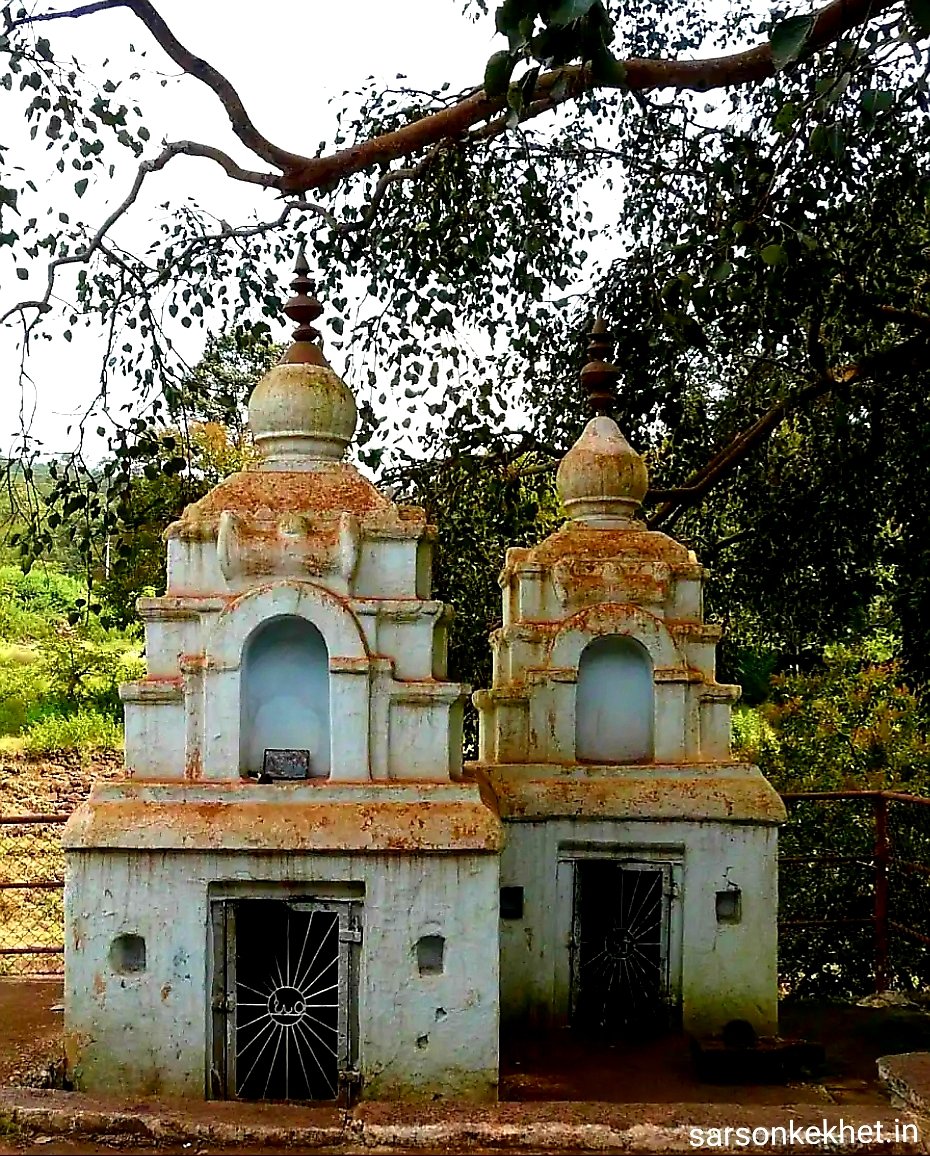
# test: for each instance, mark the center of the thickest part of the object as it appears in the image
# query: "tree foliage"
(752, 223)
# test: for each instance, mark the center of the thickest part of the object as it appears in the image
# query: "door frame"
(667, 859)
(221, 961)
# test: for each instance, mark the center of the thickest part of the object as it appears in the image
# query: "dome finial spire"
(601, 480)
(599, 376)
(303, 308)
(302, 414)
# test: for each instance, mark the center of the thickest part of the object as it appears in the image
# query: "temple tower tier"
(293, 892)
(639, 873)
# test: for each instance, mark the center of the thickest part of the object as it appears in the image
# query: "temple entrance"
(284, 998)
(620, 957)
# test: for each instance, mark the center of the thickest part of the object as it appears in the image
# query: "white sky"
(286, 59)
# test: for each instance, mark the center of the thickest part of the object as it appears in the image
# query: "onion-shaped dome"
(301, 413)
(602, 479)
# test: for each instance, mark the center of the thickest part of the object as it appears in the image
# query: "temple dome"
(301, 415)
(602, 480)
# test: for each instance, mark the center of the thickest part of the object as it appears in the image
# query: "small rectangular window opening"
(511, 903)
(729, 905)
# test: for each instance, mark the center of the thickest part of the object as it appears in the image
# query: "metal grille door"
(287, 996)
(619, 946)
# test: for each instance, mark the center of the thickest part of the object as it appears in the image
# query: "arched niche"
(615, 702)
(284, 699)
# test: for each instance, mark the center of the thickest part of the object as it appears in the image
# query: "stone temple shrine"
(297, 890)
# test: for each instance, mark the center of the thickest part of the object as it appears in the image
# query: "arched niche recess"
(285, 694)
(615, 702)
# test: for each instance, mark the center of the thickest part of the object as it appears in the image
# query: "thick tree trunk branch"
(299, 174)
(675, 502)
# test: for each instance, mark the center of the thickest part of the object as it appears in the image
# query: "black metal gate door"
(620, 946)
(282, 1022)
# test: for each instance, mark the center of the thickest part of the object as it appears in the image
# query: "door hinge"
(224, 1003)
(349, 1083)
(352, 934)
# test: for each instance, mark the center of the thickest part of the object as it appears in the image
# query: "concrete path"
(50, 1118)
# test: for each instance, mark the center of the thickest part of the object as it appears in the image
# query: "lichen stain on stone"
(290, 825)
(263, 499)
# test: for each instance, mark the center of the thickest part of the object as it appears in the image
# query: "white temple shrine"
(293, 893)
(639, 871)
(298, 892)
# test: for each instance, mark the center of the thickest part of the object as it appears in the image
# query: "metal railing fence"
(32, 872)
(854, 890)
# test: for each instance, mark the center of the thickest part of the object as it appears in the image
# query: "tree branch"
(171, 150)
(724, 462)
(913, 317)
(300, 174)
(241, 123)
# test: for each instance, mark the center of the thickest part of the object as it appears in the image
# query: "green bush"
(852, 724)
(59, 678)
(28, 602)
(23, 685)
(86, 731)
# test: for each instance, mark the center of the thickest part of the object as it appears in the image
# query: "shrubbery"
(60, 666)
(852, 724)
(86, 730)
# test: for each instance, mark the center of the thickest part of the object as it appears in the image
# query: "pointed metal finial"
(599, 376)
(303, 308)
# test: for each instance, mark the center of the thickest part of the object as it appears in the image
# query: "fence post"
(880, 915)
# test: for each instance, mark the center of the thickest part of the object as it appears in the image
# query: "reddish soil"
(30, 786)
(30, 1031)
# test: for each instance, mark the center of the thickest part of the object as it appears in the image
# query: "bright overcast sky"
(286, 59)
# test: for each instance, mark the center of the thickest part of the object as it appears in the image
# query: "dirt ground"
(563, 1067)
(29, 786)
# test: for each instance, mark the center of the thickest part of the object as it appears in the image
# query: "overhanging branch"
(675, 502)
(299, 173)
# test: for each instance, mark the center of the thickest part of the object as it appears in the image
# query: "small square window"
(511, 903)
(729, 905)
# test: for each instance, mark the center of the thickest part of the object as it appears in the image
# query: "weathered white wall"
(147, 1033)
(728, 970)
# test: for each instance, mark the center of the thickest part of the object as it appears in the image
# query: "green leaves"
(554, 33)
(773, 255)
(497, 74)
(80, 187)
(919, 12)
(788, 39)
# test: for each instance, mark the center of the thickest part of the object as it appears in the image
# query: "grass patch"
(87, 731)
(9, 1129)
(60, 667)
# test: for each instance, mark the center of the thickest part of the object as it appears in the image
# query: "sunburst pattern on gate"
(287, 1019)
(620, 966)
